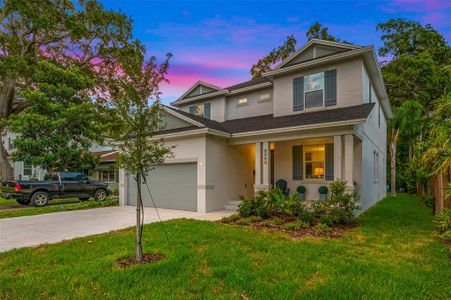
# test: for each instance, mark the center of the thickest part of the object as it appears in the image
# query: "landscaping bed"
(289, 226)
(274, 210)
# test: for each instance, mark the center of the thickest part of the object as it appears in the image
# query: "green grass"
(392, 255)
(61, 206)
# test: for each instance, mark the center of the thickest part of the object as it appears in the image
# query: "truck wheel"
(100, 195)
(39, 199)
(23, 201)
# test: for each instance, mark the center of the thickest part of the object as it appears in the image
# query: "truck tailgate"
(8, 187)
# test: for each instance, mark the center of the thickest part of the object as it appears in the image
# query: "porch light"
(318, 171)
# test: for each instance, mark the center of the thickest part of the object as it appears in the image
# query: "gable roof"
(268, 122)
(316, 42)
(197, 84)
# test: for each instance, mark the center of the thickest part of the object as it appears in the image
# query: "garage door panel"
(172, 186)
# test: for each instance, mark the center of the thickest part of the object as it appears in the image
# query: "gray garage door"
(172, 186)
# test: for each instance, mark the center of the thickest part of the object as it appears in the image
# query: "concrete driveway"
(55, 227)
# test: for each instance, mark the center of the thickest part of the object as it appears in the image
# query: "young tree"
(37, 30)
(136, 117)
(61, 121)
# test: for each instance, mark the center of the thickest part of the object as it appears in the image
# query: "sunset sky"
(218, 41)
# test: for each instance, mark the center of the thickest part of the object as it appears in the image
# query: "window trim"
(323, 89)
(305, 163)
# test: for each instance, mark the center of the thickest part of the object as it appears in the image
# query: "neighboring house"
(105, 171)
(319, 116)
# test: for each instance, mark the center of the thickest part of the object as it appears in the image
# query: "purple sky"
(218, 41)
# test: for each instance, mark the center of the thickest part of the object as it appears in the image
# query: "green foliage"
(61, 121)
(321, 228)
(307, 217)
(274, 57)
(295, 226)
(443, 223)
(301, 189)
(318, 31)
(327, 219)
(323, 189)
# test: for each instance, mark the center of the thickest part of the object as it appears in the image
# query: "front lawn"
(56, 205)
(393, 254)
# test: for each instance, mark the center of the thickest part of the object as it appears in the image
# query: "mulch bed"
(336, 231)
(127, 262)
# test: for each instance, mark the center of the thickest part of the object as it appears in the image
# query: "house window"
(108, 176)
(264, 97)
(11, 144)
(379, 117)
(242, 101)
(314, 90)
(27, 169)
(202, 110)
(376, 166)
(314, 157)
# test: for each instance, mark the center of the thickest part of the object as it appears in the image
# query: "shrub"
(322, 228)
(443, 223)
(323, 189)
(307, 217)
(326, 220)
(301, 189)
(342, 204)
(231, 218)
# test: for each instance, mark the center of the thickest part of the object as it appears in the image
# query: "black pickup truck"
(61, 185)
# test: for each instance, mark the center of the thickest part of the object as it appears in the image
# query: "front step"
(232, 205)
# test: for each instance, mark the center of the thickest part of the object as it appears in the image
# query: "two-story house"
(319, 116)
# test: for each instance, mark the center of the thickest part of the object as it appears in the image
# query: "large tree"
(38, 30)
(61, 121)
(136, 116)
(416, 73)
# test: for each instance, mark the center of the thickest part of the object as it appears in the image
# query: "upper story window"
(242, 101)
(27, 169)
(201, 110)
(314, 90)
(264, 97)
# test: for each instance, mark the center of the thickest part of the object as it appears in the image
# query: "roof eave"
(181, 101)
(320, 60)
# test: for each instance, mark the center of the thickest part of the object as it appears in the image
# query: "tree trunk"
(393, 164)
(7, 95)
(6, 169)
(139, 251)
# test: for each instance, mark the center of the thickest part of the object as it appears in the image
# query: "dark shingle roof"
(270, 122)
(248, 83)
(308, 118)
(204, 121)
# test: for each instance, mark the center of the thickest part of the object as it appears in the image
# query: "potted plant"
(323, 192)
(301, 192)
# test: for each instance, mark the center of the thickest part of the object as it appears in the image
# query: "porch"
(309, 162)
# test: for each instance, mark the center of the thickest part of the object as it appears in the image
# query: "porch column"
(258, 162)
(349, 160)
(266, 165)
(337, 157)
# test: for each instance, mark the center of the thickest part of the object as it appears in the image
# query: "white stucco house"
(320, 115)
